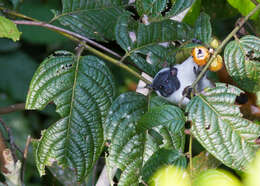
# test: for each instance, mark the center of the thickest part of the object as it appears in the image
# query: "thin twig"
(25, 153)
(12, 108)
(78, 38)
(116, 62)
(66, 33)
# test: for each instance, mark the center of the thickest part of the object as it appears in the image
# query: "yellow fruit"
(200, 55)
(217, 64)
(214, 43)
(216, 177)
(170, 176)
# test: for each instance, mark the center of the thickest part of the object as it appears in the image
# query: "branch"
(12, 108)
(66, 33)
(217, 51)
(76, 37)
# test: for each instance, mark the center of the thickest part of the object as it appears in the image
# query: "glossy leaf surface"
(150, 7)
(128, 150)
(82, 89)
(93, 19)
(161, 158)
(203, 28)
(154, 39)
(219, 127)
(171, 138)
(242, 59)
(167, 115)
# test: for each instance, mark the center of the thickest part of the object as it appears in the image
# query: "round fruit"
(217, 64)
(213, 177)
(214, 43)
(170, 176)
(200, 55)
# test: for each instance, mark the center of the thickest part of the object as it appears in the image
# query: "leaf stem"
(12, 108)
(218, 50)
(116, 62)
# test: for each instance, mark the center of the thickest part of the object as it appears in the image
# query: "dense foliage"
(86, 112)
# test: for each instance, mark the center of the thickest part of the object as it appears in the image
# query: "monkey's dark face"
(166, 82)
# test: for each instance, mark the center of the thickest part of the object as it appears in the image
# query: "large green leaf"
(167, 115)
(161, 158)
(150, 7)
(8, 29)
(93, 19)
(194, 12)
(171, 138)
(244, 7)
(242, 59)
(179, 6)
(128, 149)
(83, 89)
(218, 125)
(139, 40)
(203, 28)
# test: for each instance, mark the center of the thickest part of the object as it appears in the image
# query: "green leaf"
(219, 127)
(82, 89)
(93, 19)
(202, 162)
(172, 139)
(150, 7)
(128, 150)
(167, 115)
(242, 60)
(139, 40)
(8, 29)
(203, 29)
(179, 6)
(161, 158)
(244, 7)
(191, 17)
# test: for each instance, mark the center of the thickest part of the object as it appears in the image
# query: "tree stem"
(217, 51)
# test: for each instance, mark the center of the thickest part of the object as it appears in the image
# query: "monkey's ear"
(173, 71)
